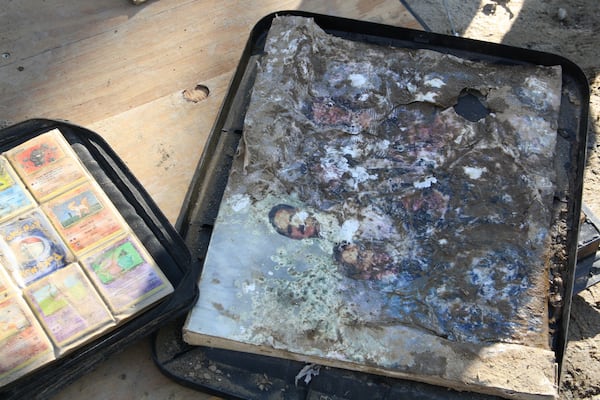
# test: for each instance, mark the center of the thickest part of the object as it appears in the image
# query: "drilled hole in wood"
(197, 94)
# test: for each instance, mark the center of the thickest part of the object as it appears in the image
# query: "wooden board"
(120, 70)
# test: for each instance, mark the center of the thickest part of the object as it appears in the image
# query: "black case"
(249, 376)
(152, 228)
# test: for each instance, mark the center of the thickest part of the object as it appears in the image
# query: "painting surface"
(381, 196)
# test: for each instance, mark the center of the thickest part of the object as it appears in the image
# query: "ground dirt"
(569, 28)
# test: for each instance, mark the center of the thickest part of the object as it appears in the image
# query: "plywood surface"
(120, 70)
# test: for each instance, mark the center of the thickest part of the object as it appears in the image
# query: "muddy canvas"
(389, 210)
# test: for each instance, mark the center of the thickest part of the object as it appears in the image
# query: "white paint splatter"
(302, 215)
(427, 97)
(348, 229)
(426, 183)
(335, 165)
(239, 202)
(360, 175)
(357, 80)
(474, 172)
(248, 287)
(435, 82)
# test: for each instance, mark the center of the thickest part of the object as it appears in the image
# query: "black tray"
(149, 224)
(240, 375)
(588, 258)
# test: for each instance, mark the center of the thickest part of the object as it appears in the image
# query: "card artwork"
(32, 248)
(84, 217)
(47, 165)
(14, 198)
(68, 306)
(126, 276)
(23, 343)
(71, 268)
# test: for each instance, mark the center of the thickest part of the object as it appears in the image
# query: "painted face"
(293, 223)
(363, 263)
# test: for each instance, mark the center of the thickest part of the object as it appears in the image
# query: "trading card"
(23, 344)
(14, 198)
(47, 165)
(6, 286)
(84, 216)
(68, 307)
(126, 276)
(31, 247)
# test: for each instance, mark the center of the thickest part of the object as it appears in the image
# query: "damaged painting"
(389, 210)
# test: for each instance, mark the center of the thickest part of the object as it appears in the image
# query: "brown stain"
(165, 156)
(219, 307)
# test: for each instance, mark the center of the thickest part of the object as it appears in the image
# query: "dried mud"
(568, 28)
